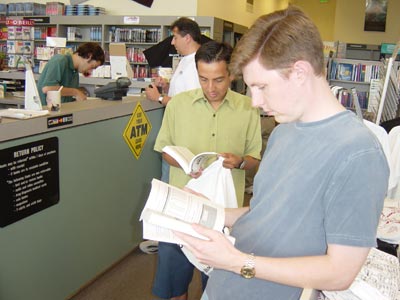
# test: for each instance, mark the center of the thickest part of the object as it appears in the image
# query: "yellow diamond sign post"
(137, 130)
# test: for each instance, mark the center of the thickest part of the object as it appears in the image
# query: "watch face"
(248, 272)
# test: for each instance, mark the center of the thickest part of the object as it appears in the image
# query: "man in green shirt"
(63, 70)
(213, 118)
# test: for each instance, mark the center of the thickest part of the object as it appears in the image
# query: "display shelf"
(20, 42)
(146, 31)
(354, 74)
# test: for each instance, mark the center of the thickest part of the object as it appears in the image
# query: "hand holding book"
(169, 210)
(190, 163)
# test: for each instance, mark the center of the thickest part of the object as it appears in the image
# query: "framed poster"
(375, 15)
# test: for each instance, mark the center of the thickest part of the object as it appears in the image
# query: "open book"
(169, 209)
(189, 162)
(378, 279)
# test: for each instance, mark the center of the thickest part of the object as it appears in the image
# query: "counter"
(13, 101)
(88, 82)
(102, 189)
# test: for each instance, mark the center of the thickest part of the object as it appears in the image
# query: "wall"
(129, 7)
(323, 14)
(343, 20)
(237, 11)
(349, 23)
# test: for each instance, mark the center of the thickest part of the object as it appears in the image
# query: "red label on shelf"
(14, 22)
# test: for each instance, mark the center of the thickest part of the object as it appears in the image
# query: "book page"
(199, 161)
(170, 208)
(182, 155)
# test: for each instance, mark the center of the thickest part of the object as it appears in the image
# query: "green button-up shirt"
(190, 121)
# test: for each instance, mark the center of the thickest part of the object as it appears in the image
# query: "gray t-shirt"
(318, 183)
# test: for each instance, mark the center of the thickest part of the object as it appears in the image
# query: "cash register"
(114, 90)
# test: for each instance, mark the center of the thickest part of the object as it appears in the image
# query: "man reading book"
(319, 190)
(213, 118)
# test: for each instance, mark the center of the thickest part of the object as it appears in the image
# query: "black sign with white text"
(29, 179)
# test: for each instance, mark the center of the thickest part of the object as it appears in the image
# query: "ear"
(301, 70)
(188, 37)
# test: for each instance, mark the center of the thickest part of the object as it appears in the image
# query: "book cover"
(345, 71)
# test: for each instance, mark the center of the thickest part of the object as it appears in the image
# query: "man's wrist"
(241, 164)
(160, 99)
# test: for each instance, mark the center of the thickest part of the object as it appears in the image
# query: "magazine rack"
(388, 89)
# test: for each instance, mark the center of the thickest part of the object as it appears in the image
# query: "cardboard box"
(120, 66)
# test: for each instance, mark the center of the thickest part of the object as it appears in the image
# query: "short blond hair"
(278, 40)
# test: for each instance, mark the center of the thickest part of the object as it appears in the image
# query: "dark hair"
(278, 40)
(214, 51)
(91, 49)
(188, 26)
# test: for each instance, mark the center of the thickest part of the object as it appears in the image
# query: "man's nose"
(210, 85)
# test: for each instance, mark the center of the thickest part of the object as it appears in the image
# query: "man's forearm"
(232, 214)
(334, 271)
(251, 162)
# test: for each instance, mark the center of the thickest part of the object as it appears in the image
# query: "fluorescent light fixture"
(74, 2)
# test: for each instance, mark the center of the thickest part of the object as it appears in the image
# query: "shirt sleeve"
(353, 205)
(254, 141)
(164, 137)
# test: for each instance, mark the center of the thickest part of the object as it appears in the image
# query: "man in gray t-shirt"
(320, 187)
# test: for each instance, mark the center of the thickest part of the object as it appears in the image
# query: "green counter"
(103, 187)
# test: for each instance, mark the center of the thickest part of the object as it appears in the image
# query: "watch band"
(160, 99)
(240, 164)
(248, 270)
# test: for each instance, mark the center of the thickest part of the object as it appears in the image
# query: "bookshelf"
(354, 74)
(388, 92)
(376, 82)
(20, 43)
(137, 32)
(144, 31)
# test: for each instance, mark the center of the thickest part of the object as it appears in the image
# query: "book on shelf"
(358, 72)
(330, 48)
(189, 162)
(345, 71)
(375, 90)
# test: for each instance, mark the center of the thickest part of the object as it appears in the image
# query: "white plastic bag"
(216, 184)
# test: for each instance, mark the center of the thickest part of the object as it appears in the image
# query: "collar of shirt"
(199, 95)
(70, 62)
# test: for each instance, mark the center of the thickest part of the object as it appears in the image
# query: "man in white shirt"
(187, 39)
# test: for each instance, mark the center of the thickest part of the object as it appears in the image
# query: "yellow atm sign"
(137, 130)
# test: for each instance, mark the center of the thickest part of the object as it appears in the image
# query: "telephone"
(114, 90)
